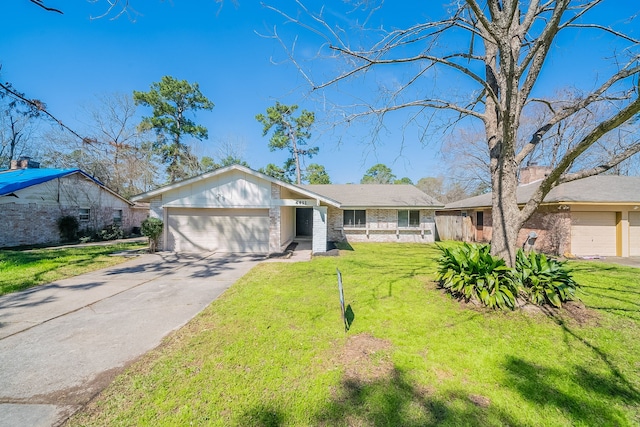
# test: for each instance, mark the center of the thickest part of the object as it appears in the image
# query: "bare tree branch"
(39, 106)
(569, 110)
(40, 3)
(556, 176)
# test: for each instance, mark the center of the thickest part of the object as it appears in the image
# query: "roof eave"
(158, 191)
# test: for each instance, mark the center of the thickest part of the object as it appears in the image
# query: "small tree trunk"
(296, 155)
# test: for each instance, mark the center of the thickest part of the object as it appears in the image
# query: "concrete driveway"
(62, 343)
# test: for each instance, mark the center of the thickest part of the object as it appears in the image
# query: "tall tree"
(403, 180)
(495, 50)
(172, 100)
(378, 174)
(120, 155)
(276, 172)
(290, 133)
(316, 174)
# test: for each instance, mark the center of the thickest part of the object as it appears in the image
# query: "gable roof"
(376, 195)
(600, 189)
(18, 179)
(158, 191)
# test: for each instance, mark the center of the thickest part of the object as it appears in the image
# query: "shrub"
(68, 226)
(111, 232)
(470, 272)
(152, 228)
(545, 280)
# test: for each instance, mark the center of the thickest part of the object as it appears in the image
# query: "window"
(85, 214)
(355, 219)
(408, 218)
(117, 217)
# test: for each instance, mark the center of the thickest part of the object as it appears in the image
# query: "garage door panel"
(634, 233)
(593, 233)
(223, 230)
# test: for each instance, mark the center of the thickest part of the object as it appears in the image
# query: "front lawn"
(22, 269)
(273, 351)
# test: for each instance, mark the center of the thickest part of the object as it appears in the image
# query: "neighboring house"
(33, 199)
(599, 215)
(236, 209)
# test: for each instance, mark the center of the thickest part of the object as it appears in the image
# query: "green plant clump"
(544, 280)
(470, 272)
(152, 228)
(111, 232)
(68, 226)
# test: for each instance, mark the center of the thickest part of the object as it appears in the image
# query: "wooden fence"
(454, 227)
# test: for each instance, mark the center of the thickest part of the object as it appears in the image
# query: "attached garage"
(593, 233)
(634, 233)
(219, 230)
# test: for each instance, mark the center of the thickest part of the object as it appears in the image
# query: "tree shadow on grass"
(586, 397)
(262, 416)
(594, 388)
(393, 401)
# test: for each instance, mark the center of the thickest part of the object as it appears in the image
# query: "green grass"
(273, 351)
(23, 269)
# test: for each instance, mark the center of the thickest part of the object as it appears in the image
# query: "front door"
(479, 226)
(304, 222)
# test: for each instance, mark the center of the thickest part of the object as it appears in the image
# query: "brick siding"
(34, 224)
(382, 227)
(552, 225)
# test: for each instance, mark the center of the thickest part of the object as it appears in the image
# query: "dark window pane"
(353, 218)
(403, 218)
(414, 218)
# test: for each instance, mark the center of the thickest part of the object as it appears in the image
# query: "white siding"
(287, 224)
(233, 189)
(593, 233)
(72, 190)
(634, 233)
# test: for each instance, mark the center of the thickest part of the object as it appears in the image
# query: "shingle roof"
(594, 189)
(375, 195)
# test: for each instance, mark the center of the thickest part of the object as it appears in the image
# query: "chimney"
(533, 173)
(24, 162)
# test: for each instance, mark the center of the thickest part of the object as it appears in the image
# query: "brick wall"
(34, 224)
(383, 227)
(552, 225)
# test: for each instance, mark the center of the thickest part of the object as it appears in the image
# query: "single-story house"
(33, 199)
(599, 215)
(236, 209)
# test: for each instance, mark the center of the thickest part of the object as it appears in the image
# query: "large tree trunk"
(505, 218)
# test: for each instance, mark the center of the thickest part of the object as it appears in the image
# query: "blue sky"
(66, 60)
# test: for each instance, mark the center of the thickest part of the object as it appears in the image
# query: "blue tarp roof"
(14, 180)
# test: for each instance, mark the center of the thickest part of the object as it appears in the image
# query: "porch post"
(319, 241)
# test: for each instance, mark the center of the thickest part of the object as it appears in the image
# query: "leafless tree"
(500, 48)
(120, 155)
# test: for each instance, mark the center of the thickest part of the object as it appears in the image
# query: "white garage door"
(634, 233)
(593, 233)
(220, 230)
